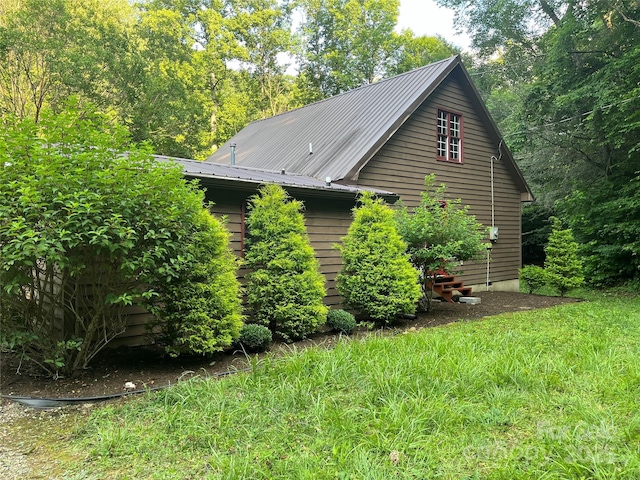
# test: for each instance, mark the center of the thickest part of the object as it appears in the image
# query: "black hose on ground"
(46, 403)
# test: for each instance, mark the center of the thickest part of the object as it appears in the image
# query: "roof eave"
(250, 186)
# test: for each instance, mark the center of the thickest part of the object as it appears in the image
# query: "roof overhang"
(248, 180)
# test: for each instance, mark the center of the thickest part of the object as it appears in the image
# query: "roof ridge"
(394, 77)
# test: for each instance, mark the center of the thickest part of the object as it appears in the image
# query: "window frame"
(448, 136)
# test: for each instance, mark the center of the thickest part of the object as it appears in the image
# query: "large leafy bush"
(285, 287)
(86, 230)
(376, 277)
(437, 231)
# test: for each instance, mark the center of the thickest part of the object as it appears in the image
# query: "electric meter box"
(493, 234)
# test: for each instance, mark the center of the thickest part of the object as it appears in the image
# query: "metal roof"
(250, 177)
(335, 137)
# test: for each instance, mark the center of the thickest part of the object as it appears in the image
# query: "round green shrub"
(341, 321)
(533, 278)
(254, 337)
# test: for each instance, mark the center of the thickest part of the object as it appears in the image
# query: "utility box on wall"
(493, 234)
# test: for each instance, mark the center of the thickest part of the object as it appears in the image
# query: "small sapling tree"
(285, 288)
(563, 267)
(376, 278)
(436, 232)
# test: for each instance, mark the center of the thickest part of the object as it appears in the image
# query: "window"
(449, 137)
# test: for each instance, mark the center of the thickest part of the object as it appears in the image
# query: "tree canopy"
(186, 75)
(558, 76)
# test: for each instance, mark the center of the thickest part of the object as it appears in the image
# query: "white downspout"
(493, 222)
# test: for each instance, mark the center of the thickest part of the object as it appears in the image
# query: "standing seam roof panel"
(343, 130)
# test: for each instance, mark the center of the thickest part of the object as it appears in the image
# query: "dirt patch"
(148, 367)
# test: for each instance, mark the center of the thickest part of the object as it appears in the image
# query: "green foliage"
(50, 49)
(255, 338)
(533, 276)
(554, 84)
(341, 321)
(606, 221)
(563, 267)
(411, 52)
(160, 68)
(84, 228)
(285, 287)
(350, 43)
(347, 43)
(376, 277)
(200, 311)
(438, 231)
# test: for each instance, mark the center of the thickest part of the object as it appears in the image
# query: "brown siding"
(401, 165)
(327, 223)
(232, 213)
(137, 333)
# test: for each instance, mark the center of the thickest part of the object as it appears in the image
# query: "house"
(385, 137)
(327, 212)
(388, 136)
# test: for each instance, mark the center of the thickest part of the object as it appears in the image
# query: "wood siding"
(403, 162)
(327, 222)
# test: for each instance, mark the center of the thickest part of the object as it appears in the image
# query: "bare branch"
(624, 17)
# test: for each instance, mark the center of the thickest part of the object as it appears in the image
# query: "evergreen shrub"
(255, 338)
(341, 321)
(285, 288)
(201, 308)
(376, 277)
(562, 265)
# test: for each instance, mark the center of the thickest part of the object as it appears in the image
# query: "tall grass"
(543, 394)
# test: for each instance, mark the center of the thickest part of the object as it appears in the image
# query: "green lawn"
(542, 394)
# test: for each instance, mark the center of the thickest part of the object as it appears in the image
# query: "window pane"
(455, 126)
(454, 149)
(442, 122)
(442, 146)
